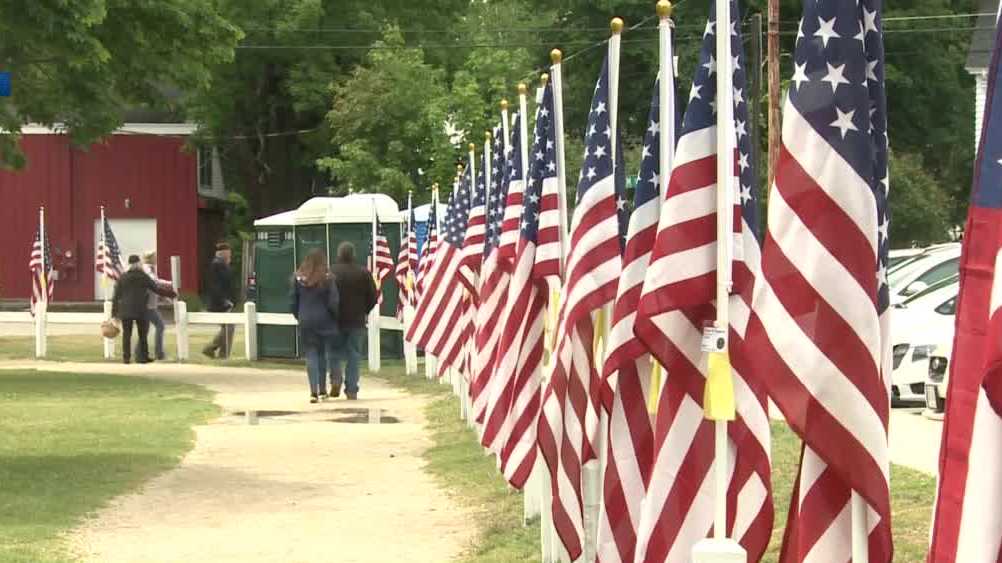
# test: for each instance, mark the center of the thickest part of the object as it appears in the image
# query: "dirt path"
(297, 487)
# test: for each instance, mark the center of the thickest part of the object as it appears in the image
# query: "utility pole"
(774, 124)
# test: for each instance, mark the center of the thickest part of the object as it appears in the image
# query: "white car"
(914, 275)
(900, 255)
(938, 378)
(918, 325)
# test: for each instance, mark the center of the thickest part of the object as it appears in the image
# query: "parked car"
(918, 273)
(938, 377)
(918, 325)
(901, 255)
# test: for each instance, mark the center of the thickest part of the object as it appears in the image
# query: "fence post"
(109, 343)
(181, 329)
(250, 330)
(41, 310)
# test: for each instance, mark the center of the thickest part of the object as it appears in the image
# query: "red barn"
(157, 194)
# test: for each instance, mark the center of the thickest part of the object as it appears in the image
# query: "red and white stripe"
(817, 343)
(401, 274)
(473, 247)
(627, 380)
(569, 419)
(42, 282)
(494, 285)
(440, 308)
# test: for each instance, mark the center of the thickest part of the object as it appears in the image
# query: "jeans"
(318, 350)
(142, 347)
(223, 342)
(347, 349)
(153, 317)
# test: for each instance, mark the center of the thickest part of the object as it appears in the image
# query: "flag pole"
(719, 395)
(666, 145)
(374, 313)
(523, 120)
(109, 343)
(42, 307)
(505, 126)
(410, 350)
(557, 80)
(430, 365)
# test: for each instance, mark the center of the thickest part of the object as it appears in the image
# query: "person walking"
(152, 304)
(128, 305)
(219, 286)
(358, 297)
(315, 305)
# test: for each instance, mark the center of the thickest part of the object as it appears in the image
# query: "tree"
(83, 63)
(388, 122)
(920, 207)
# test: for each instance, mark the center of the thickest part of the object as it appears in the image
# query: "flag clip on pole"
(719, 392)
(373, 331)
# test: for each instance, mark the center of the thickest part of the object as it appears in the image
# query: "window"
(935, 274)
(205, 168)
(948, 308)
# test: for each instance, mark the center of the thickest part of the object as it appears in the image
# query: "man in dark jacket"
(128, 304)
(358, 296)
(219, 299)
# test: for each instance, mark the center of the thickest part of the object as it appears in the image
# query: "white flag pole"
(373, 331)
(109, 344)
(410, 351)
(720, 548)
(505, 126)
(557, 80)
(42, 306)
(523, 120)
(430, 365)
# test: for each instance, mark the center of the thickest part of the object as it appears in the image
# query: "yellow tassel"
(718, 395)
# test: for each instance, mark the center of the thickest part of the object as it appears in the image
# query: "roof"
(422, 212)
(164, 129)
(355, 208)
(982, 40)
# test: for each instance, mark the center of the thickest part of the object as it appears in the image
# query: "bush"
(193, 301)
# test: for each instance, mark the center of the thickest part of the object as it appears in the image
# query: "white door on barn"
(134, 236)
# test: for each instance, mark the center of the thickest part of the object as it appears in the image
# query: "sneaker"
(313, 399)
(352, 396)
(323, 397)
(209, 353)
(335, 390)
(126, 361)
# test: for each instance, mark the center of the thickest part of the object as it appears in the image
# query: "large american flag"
(476, 229)
(569, 419)
(967, 525)
(40, 266)
(627, 370)
(381, 261)
(494, 399)
(676, 303)
(108, 260)
(537, 268)
(493, 283)
(440, 323)
(817, 335)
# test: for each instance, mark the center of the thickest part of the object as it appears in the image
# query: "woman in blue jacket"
(315, 306)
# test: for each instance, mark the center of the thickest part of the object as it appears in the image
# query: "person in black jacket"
(315, 306)
(128, 304)
(358, 297)
(219, 299)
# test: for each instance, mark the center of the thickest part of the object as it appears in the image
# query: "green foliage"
(920, 205)
(83, 63)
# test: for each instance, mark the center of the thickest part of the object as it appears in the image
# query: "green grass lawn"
(459, 462)
(69, 443)
(86, 348)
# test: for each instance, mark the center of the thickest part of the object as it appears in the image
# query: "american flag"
(967, 525)
(381, 261)
(494, 403)
(677, 301)
(108, 260)
(569, 419)
(537, 268)
(818, 328)
(442, 316)
(627, 369)
(406, 267)
(473, 245)
(40, 266)
(493, 284)
(428, 252)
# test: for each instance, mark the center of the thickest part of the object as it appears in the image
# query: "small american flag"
(381, 261)
(493, 284)
(473, 244)
(439, 323)
(108, 260)
(40, 266)
(818, 332)
(406, 268)
(427, 252)
(569, 419)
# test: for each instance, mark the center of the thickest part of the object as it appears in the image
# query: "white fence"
(249, 318)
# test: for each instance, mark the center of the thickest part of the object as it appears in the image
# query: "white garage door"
(134, 236)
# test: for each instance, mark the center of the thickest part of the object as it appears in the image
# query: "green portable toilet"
(321, 222)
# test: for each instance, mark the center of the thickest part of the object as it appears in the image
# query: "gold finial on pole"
(543, 79)
(504, 104)
(663, 9)
(522, 88)
(617, 26)
(556, 56)
(488, 136)
(473, 147)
